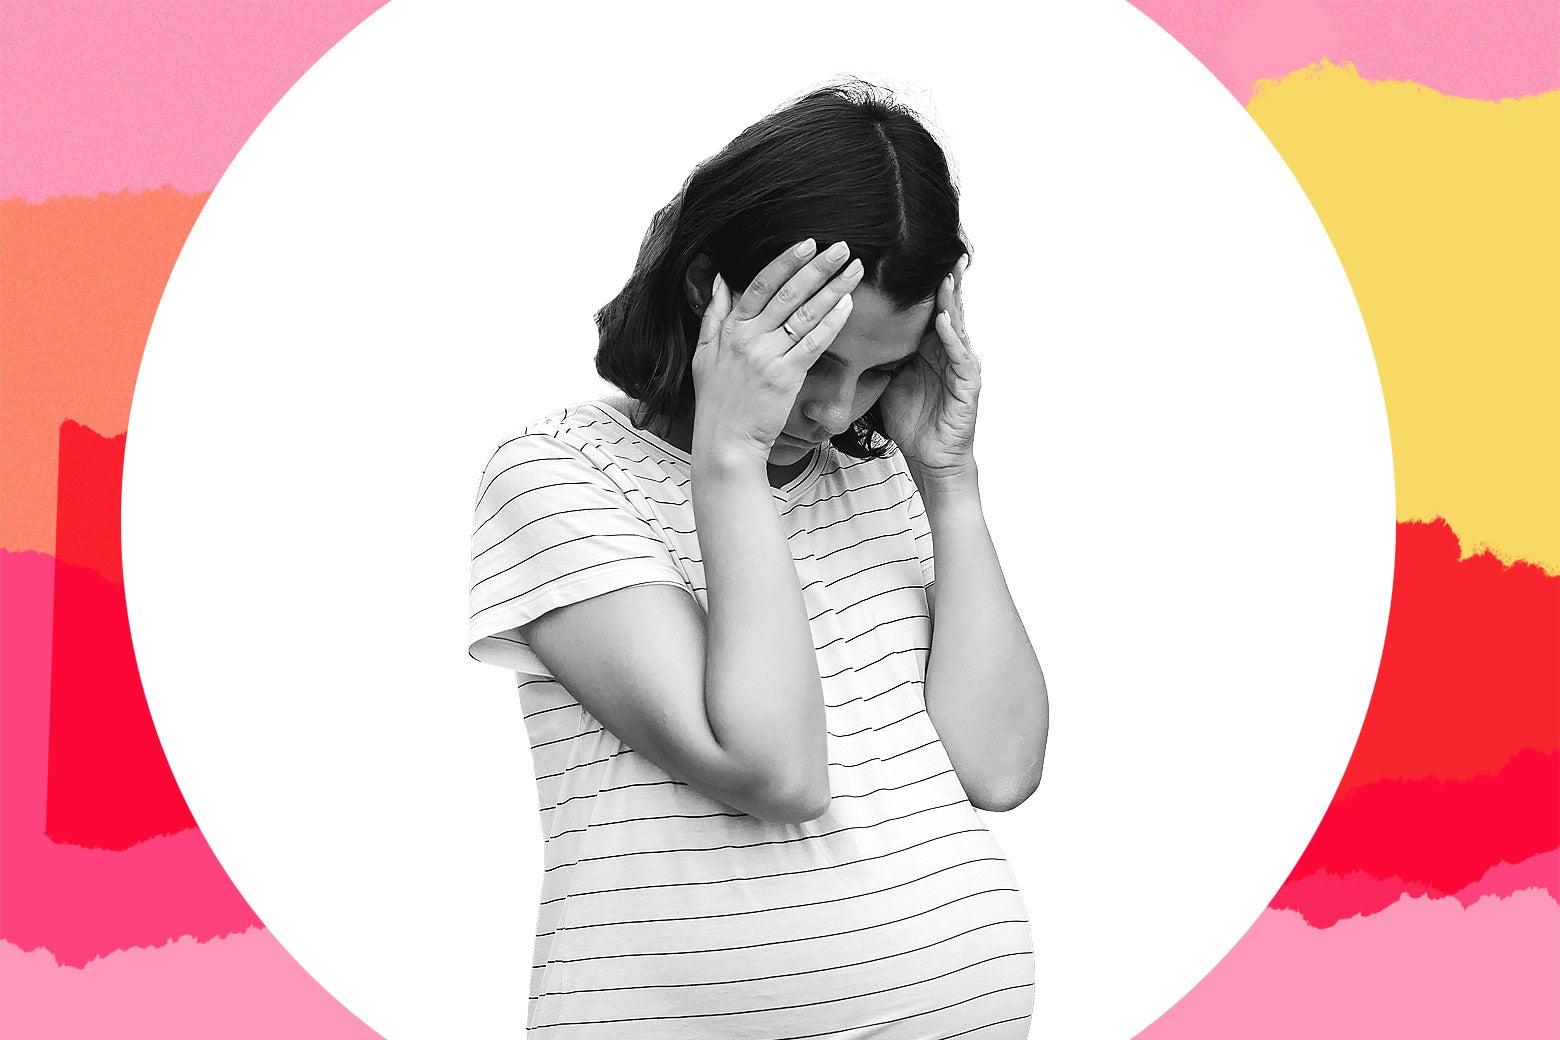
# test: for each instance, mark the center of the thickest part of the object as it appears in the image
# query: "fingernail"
(837, 250)
(807, 247)
(854, 269)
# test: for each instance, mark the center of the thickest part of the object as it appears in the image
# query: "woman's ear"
(699, 282)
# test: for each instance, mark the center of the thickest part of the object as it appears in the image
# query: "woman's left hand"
(929, 407)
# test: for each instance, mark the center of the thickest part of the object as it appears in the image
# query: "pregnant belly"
(911, 930)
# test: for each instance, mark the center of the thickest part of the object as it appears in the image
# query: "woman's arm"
(731, 702)
(735, 706)
(762, 689)
(635, 659)
(984, 689)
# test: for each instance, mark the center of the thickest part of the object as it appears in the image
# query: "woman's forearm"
(984, 689)
(762, 690)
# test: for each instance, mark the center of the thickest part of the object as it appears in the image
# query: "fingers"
(767, 281)
(956, 312)
(714, 313)
(811, 346)
(947, 303)
(950, 338)
(950, 320)
(798, 288)
(720, 300)
(811, 292)
(961, 368)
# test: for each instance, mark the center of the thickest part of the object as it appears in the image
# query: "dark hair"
(844, 162)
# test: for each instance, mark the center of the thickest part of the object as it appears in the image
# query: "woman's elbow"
(814, 805)
(1009, 796)
(1000, 803)
(794, 804)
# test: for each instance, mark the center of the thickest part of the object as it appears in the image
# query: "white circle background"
(1183, 449)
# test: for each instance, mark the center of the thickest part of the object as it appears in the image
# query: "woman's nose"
(830, 406)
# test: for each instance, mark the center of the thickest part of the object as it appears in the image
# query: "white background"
(1182, 443)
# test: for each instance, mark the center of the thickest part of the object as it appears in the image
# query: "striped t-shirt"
(666, 913)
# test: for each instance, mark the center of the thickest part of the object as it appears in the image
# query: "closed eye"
(889, 371)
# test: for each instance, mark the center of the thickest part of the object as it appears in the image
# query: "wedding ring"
(786, 325)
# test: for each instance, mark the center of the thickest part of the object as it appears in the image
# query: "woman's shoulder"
(578, 424)
(599, 434)
(566, 433)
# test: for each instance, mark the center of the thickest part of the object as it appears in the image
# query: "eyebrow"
(832, 356)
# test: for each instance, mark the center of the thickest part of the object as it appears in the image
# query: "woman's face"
(875, 341)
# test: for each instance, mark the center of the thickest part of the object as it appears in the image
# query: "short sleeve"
(551, 527)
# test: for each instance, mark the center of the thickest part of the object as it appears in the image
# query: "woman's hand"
(747, 367)
(929, 407)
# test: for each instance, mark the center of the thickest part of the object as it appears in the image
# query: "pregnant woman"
(760, 728)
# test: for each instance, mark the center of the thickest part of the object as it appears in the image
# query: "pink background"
(1425, 907)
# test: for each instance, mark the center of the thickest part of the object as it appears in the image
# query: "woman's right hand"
(747, 369)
